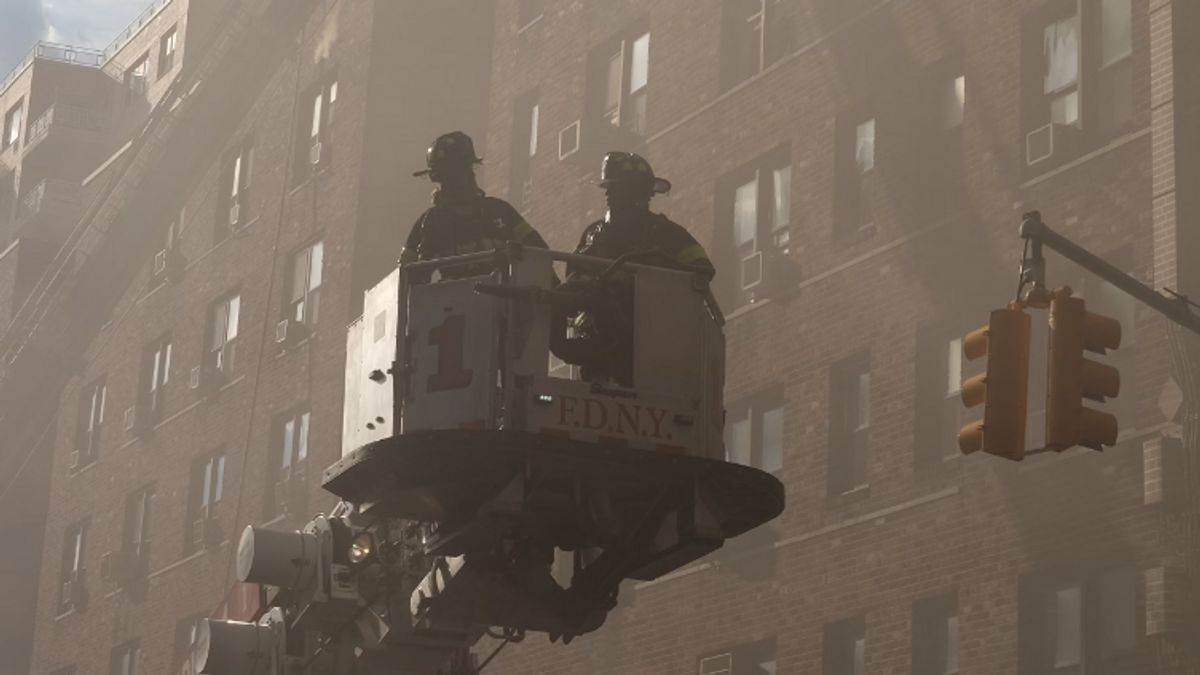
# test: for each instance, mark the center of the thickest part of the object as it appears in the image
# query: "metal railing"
(134, 28)
(65, 115)
(42, 195)
(50, 51)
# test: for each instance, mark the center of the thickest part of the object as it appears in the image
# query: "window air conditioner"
(721, 664)
(289, 333)
(314, 153)
(138, 418)
(160, 262)
(73, 462)
(568, 140)
(235, 214)
(1049, 142)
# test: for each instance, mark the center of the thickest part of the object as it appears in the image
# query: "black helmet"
(628, 167)
(452, 149)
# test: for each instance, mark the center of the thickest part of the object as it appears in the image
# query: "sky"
(86, 23)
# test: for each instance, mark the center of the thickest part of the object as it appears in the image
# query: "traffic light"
(1072, 378)
(1002, 388)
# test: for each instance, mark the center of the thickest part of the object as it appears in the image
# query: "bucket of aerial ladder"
(470, 450)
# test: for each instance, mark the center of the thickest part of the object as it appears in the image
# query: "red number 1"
(448, 338)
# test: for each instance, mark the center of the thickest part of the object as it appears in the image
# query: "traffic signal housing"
(1003, 388)
(1072, 378)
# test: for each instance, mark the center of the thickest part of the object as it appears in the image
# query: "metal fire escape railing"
(147, 148)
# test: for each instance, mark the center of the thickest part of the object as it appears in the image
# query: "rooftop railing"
(136, 26)
(49, 51)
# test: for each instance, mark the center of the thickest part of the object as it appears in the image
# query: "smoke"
(22, 22)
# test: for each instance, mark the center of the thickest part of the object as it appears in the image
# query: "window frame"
(156, 372)
(128, 653)
(138, 83)
(525, 131)
(853, 213)
(235, 189)
(137, 523)
(936, 632)
(94, 397)
(287, 469)
(299, 303)
(754, 410)
(844, 647)
(849, 425)
(205, 493)
(770, 236)
(168, 46)
(73, 564)
(619, 103)
(222, 312)
(14, 123)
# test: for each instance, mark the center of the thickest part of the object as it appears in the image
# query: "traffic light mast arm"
(1035, 231)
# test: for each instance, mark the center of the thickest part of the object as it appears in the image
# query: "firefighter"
(630, 226)
(462, 219)
(603, 342)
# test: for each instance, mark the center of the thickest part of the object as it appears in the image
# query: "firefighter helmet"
(449, 150)
(628, 167)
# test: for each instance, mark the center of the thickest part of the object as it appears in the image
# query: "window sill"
(84, 467)
(64, 614)
(530, 24)
(747, 308)
(854, 495)
(1083, 158)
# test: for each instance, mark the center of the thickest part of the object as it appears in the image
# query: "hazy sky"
(88, 23)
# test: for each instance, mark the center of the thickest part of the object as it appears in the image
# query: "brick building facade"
(862, 166)
(178, 373)
(857, 170)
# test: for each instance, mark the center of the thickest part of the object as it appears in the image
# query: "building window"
(91, 417)
(13, 121)
(621, 73)
(849, 423)
(935, 636)
(756, 200)
(185, 638)
(207, 486)
(287, 474)
(754, 35)
(1115, 73)
(854, 165)
(71, 579)
(752, 658)
(137, 75)
(167, 46)
(938, 410)
(526, 117)
(305, 293)
(135, 537)
(1060, 80)
(223, 332)
(952, 100)
(156, 374)
(316, 129)
(1078, 75)
(233, 211)
(126, 659)
(1078, 624)
(754, 431)
(845, 647)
